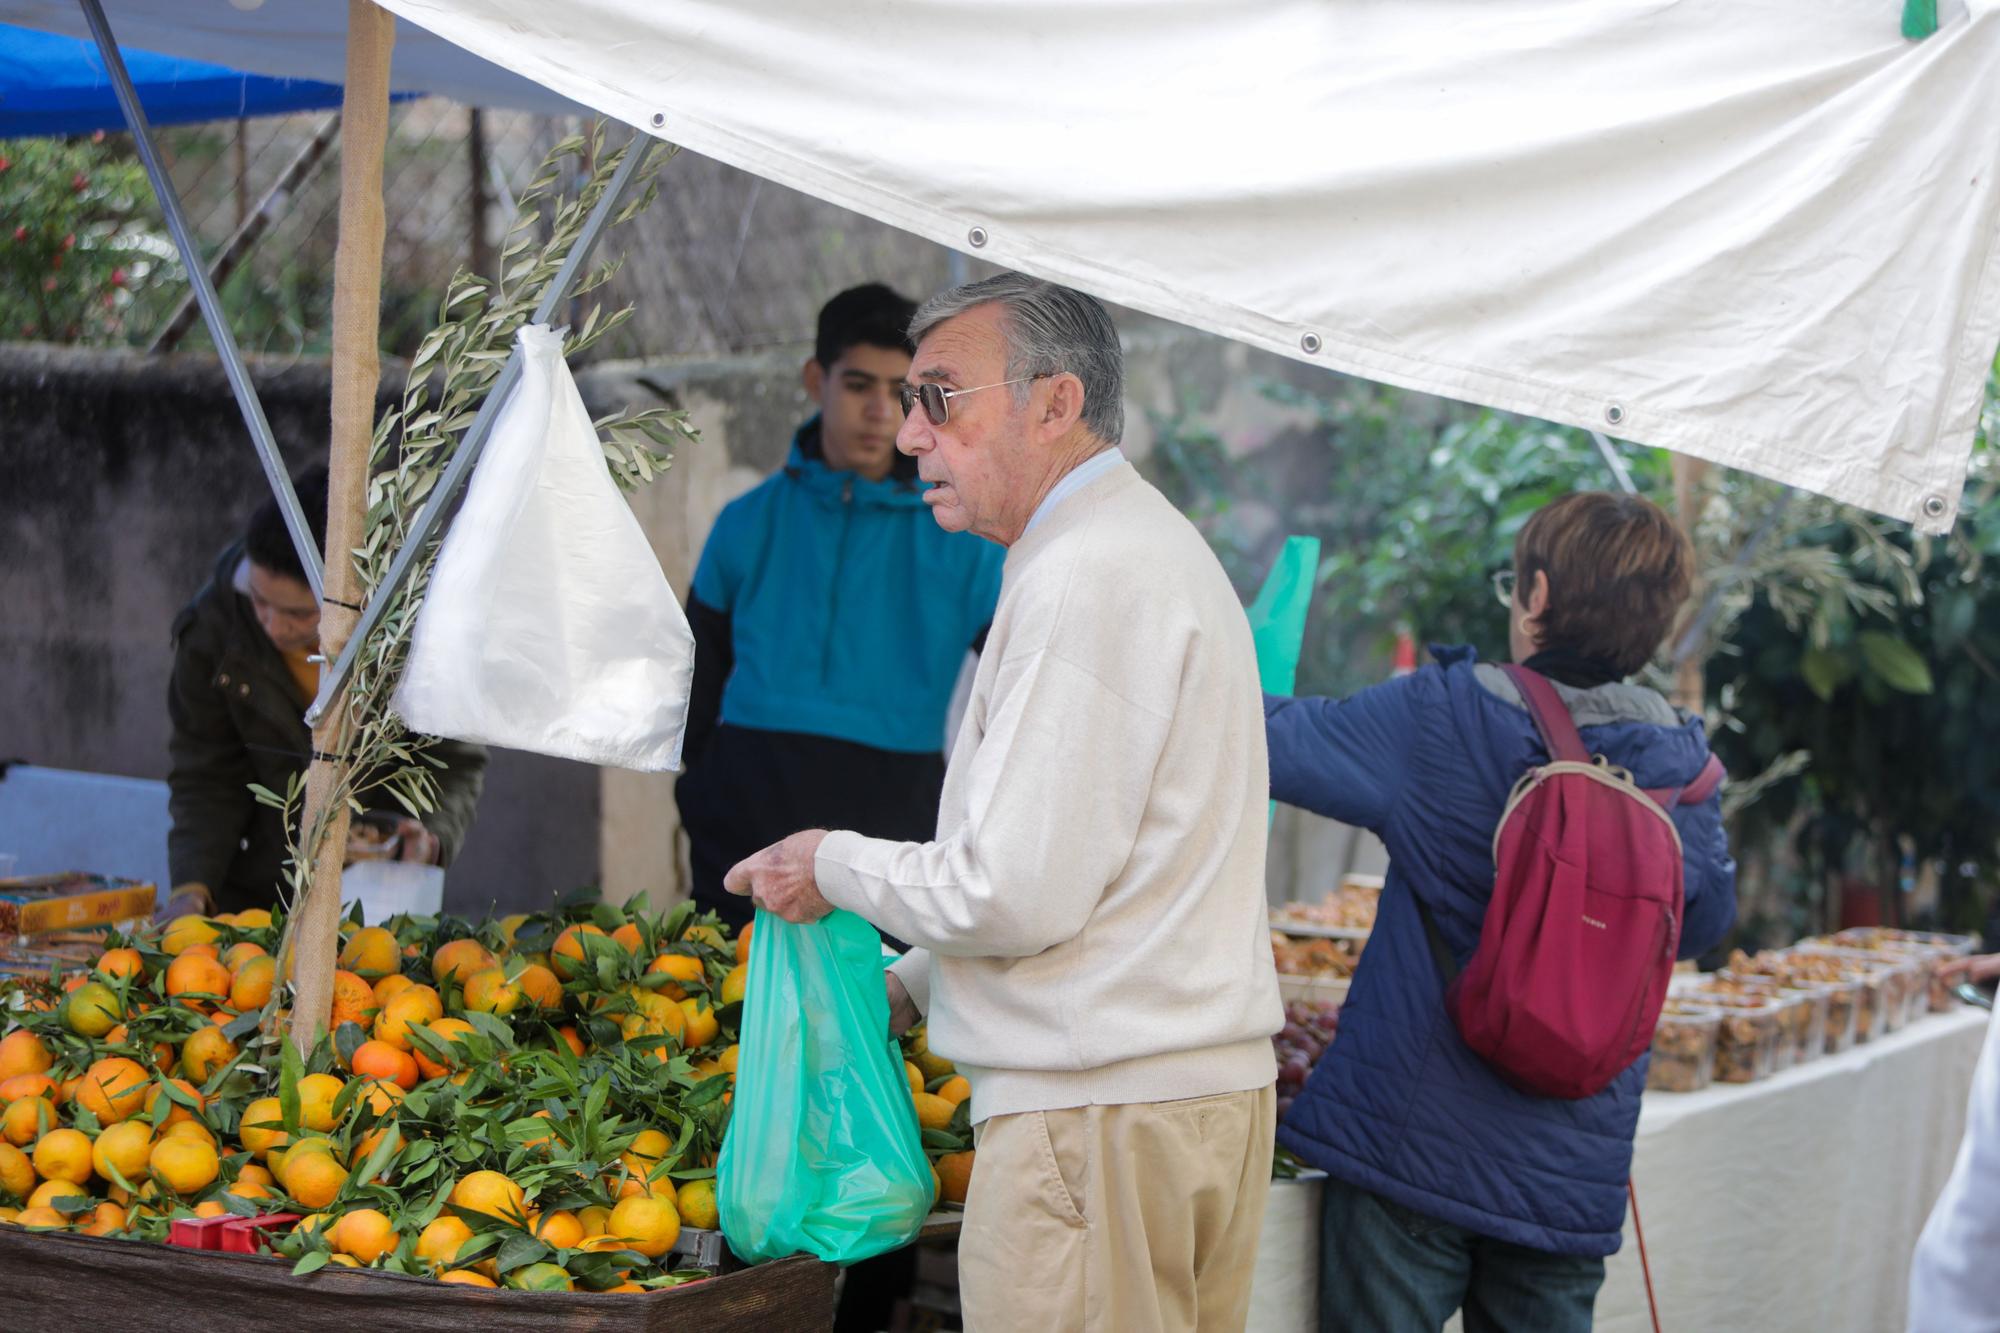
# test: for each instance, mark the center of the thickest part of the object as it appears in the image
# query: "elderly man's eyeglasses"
(937, 399)
(1503, 586)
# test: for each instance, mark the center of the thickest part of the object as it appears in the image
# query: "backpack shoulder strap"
(1704, 785)
(1705, 782)
(1551, 716)
(1564, 742)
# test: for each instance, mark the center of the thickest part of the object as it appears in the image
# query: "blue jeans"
(1386, 1268)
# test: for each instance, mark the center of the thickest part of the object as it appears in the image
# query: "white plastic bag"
(548, 625)
(386, 888)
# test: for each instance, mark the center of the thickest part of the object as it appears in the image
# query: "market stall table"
(62, 1283)
(1794, 1203)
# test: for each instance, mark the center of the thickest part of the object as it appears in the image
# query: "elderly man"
(1090, 923)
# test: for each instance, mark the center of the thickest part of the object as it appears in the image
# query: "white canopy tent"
(1758, 232)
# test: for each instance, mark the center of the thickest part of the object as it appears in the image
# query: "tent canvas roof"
(51, 84)
(1759, 234)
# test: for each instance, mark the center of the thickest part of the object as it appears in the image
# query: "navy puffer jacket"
(1400, 1106)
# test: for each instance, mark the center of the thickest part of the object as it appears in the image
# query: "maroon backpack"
(1563, 990)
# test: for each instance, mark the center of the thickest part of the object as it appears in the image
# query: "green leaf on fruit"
(519, 1250)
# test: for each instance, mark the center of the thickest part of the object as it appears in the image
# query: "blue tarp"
(57, 85)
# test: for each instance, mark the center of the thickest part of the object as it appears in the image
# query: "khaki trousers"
(1129, 1219)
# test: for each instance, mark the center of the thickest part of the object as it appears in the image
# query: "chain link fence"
(729, 262)
(723, 262)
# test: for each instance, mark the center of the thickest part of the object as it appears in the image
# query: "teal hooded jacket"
(850, 611)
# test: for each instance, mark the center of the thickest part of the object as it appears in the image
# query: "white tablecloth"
(1794, 1203)
(1284, 1290)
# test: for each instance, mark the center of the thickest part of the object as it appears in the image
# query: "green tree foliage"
(1449, 517)
(1895, 709)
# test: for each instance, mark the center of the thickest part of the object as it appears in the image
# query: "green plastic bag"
(823, 1154)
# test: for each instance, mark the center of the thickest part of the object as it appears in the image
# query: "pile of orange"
(565, 1077)
(941, 1095)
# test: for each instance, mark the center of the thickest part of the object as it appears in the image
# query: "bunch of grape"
(1309, 1030)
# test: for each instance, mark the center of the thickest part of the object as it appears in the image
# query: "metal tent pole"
(1615, 463)
(431, 518)
(204, 292)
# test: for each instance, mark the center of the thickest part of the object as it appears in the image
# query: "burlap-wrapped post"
(1689, 675)
(357, 299)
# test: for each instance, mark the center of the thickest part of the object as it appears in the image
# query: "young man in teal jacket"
(831, 618)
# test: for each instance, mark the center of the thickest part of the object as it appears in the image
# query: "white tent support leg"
(204, 293)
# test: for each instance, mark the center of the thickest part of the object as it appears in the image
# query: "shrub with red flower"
(76, 242)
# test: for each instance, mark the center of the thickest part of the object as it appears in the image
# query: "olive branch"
(453, 371)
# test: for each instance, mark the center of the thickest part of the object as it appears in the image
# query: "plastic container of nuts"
(1805, 1022)
(1746, 1047)
(1935, 948)
(1843, 1012)
(1683, 1047)
(1912, 990)
(1903, 981)
(1871, 1015)
(1852, 1006)
(1760, 1032)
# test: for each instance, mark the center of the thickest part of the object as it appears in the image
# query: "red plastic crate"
(198, 1233)
(251, 1235)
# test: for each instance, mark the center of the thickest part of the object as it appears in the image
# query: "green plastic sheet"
(1278, 619)
(1278, 616)
(824, 1155)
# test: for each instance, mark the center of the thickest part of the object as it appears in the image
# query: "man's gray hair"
(1049, 330)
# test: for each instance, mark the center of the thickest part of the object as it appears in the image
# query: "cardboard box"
(19, 958)
(38, 904)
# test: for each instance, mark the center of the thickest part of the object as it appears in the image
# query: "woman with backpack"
(1479, 1147)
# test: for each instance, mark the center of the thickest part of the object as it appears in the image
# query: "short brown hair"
(1618, 570)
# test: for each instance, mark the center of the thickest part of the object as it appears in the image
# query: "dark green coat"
(237, 719)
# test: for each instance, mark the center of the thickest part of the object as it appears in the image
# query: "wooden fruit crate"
(58, 1282)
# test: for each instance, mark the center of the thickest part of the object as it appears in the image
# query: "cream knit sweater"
(1090, 925)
